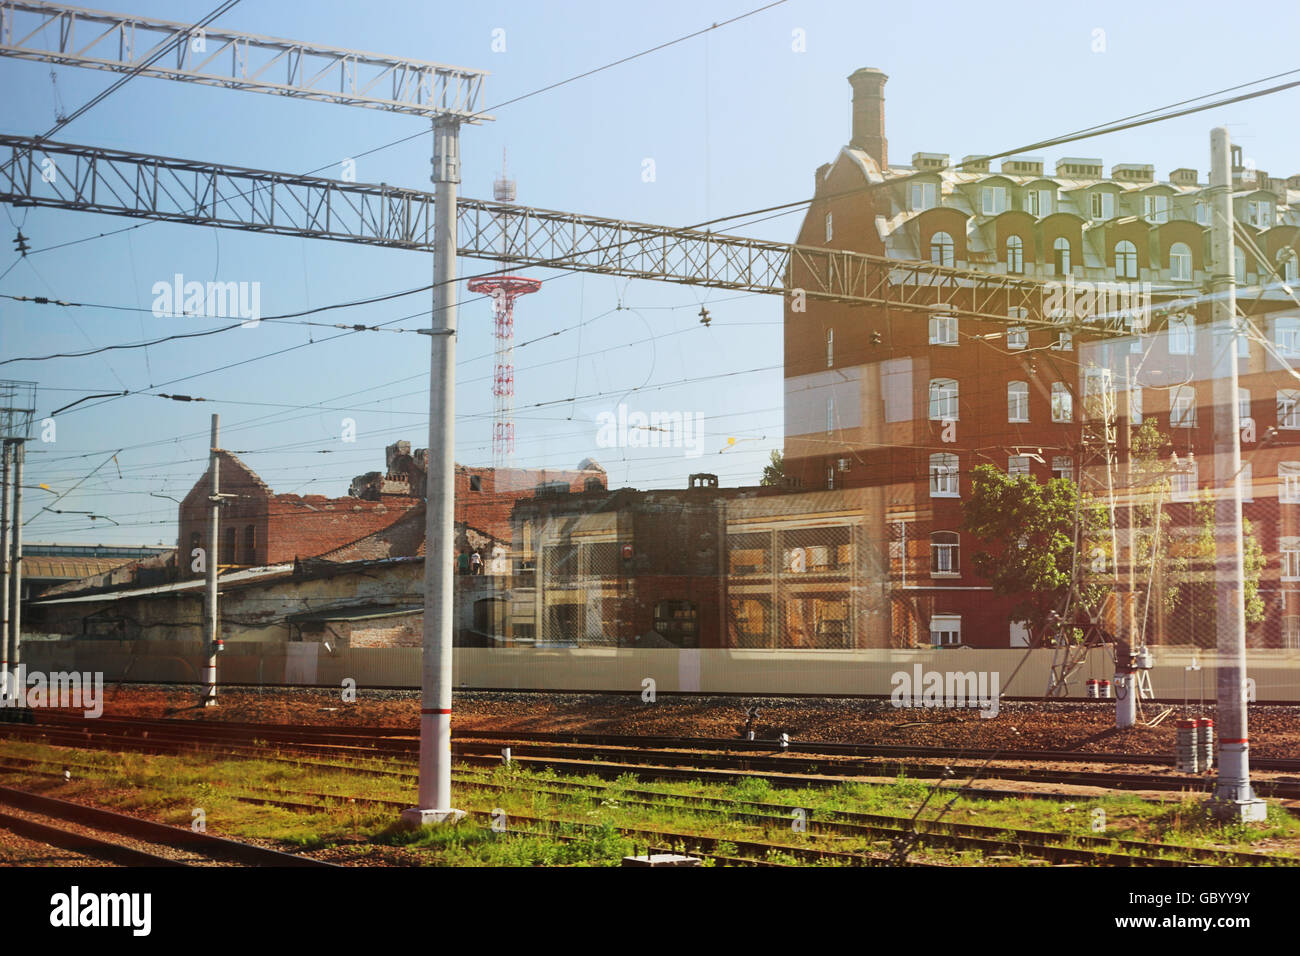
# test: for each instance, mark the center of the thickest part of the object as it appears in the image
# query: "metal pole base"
(1238, 811)
(413, 817)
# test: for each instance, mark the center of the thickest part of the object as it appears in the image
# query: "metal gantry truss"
(116, 182)
(71, 36)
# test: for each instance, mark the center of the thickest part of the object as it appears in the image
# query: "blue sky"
(734, 120)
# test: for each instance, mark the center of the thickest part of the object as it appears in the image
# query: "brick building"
(909, 403)
(382, 516)
(699, 567)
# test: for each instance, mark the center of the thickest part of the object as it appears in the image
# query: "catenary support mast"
(1233, 797)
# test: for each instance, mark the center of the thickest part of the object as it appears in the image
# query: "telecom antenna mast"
(504, 289)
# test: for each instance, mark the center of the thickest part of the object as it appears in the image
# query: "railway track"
(196, 847)
(631, 755)
(397, 740)
(991, 842)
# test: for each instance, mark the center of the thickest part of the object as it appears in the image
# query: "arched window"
(1061, 255)
(1126, 260)
(943, 476)
(1015, 255)
(1180, 261)
(1018, 402)
(1062, 403)
(945, 553)
(1288, 265)
(943, 399)
(941, 249)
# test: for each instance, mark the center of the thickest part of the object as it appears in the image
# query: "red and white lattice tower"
(504, 290)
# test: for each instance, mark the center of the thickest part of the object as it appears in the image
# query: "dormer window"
(923, 196)
(1103, 206)
(1157, 208)
(1202, 213)
(1259, 214)
(1038, 202)
(994, 200)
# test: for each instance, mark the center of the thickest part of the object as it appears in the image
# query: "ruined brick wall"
(486, 496)
(405, 631)
(238, 516)
(311, 525)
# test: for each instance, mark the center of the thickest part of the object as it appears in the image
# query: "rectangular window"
(995, 200)
(1182, 408)
(1290, 554)
(1017, 337)
(1135, 404)
(1260, 214)
(1157, 208)
(1182, 336)
(923, 196)
(830, 415)
(1288, 482)
(1288, 408)
(1063, 467)
(1064, 342)
(1062, 403)
(1246, 482)
(1286, 337)
(1202, 213)
(945, 630)
(830, 348)
(830, 232)
(1018, 402)
(1018, 465)
(1184, 482)
(1291, 631)
(943, 330)
(943, 476)
(1103, 205)
(1038, 202)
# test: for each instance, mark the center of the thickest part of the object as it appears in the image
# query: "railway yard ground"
(300, 776)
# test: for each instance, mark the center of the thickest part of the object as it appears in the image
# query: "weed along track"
(337, 794)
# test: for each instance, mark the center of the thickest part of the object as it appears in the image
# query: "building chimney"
(869, 114)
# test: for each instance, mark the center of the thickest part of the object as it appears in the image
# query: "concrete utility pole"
(16, 560)
(4, 568)
(440, 515)
(211, 620)
(1233, 797)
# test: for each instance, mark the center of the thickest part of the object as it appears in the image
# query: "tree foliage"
(1026, 530)
(774, 473)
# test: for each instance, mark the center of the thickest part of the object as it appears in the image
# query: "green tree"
(1027, 532)
(774, 473)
